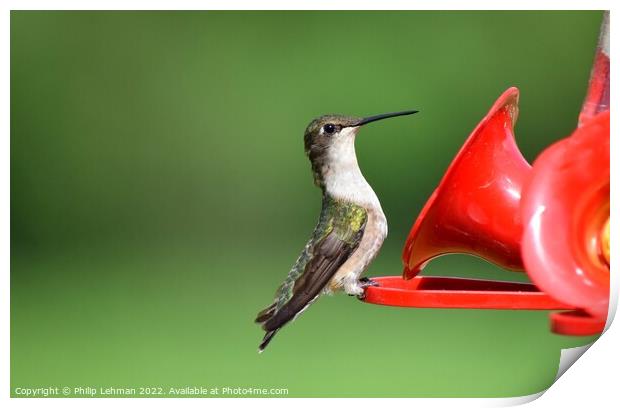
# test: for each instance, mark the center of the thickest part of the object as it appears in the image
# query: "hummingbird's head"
(329, 141)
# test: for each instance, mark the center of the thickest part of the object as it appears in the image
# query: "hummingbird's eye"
(329, 128)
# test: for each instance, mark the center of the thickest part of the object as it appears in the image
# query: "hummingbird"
(350, 230)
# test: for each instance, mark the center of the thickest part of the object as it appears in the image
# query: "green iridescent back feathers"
(344, 219)
(339, 219)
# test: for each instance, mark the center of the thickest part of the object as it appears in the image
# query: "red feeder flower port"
(565, 245)
(550, 219)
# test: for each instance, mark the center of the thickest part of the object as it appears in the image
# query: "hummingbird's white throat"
(341, 172)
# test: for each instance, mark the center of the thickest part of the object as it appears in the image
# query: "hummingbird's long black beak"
(384, 116)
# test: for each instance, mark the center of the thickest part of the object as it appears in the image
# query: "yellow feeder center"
(605, 242)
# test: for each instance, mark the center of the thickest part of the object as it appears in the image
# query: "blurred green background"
(160, 192)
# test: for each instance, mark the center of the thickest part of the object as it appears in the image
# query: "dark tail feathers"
(266, 313)
(262, 317)
(268, 336)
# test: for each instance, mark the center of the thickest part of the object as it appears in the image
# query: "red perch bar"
(459, 293)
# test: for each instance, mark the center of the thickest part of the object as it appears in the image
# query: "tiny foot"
(363, 284)
(366, 282)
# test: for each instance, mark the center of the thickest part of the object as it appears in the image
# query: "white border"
(592, 379)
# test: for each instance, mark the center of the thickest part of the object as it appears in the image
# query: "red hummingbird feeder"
(550, 220)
